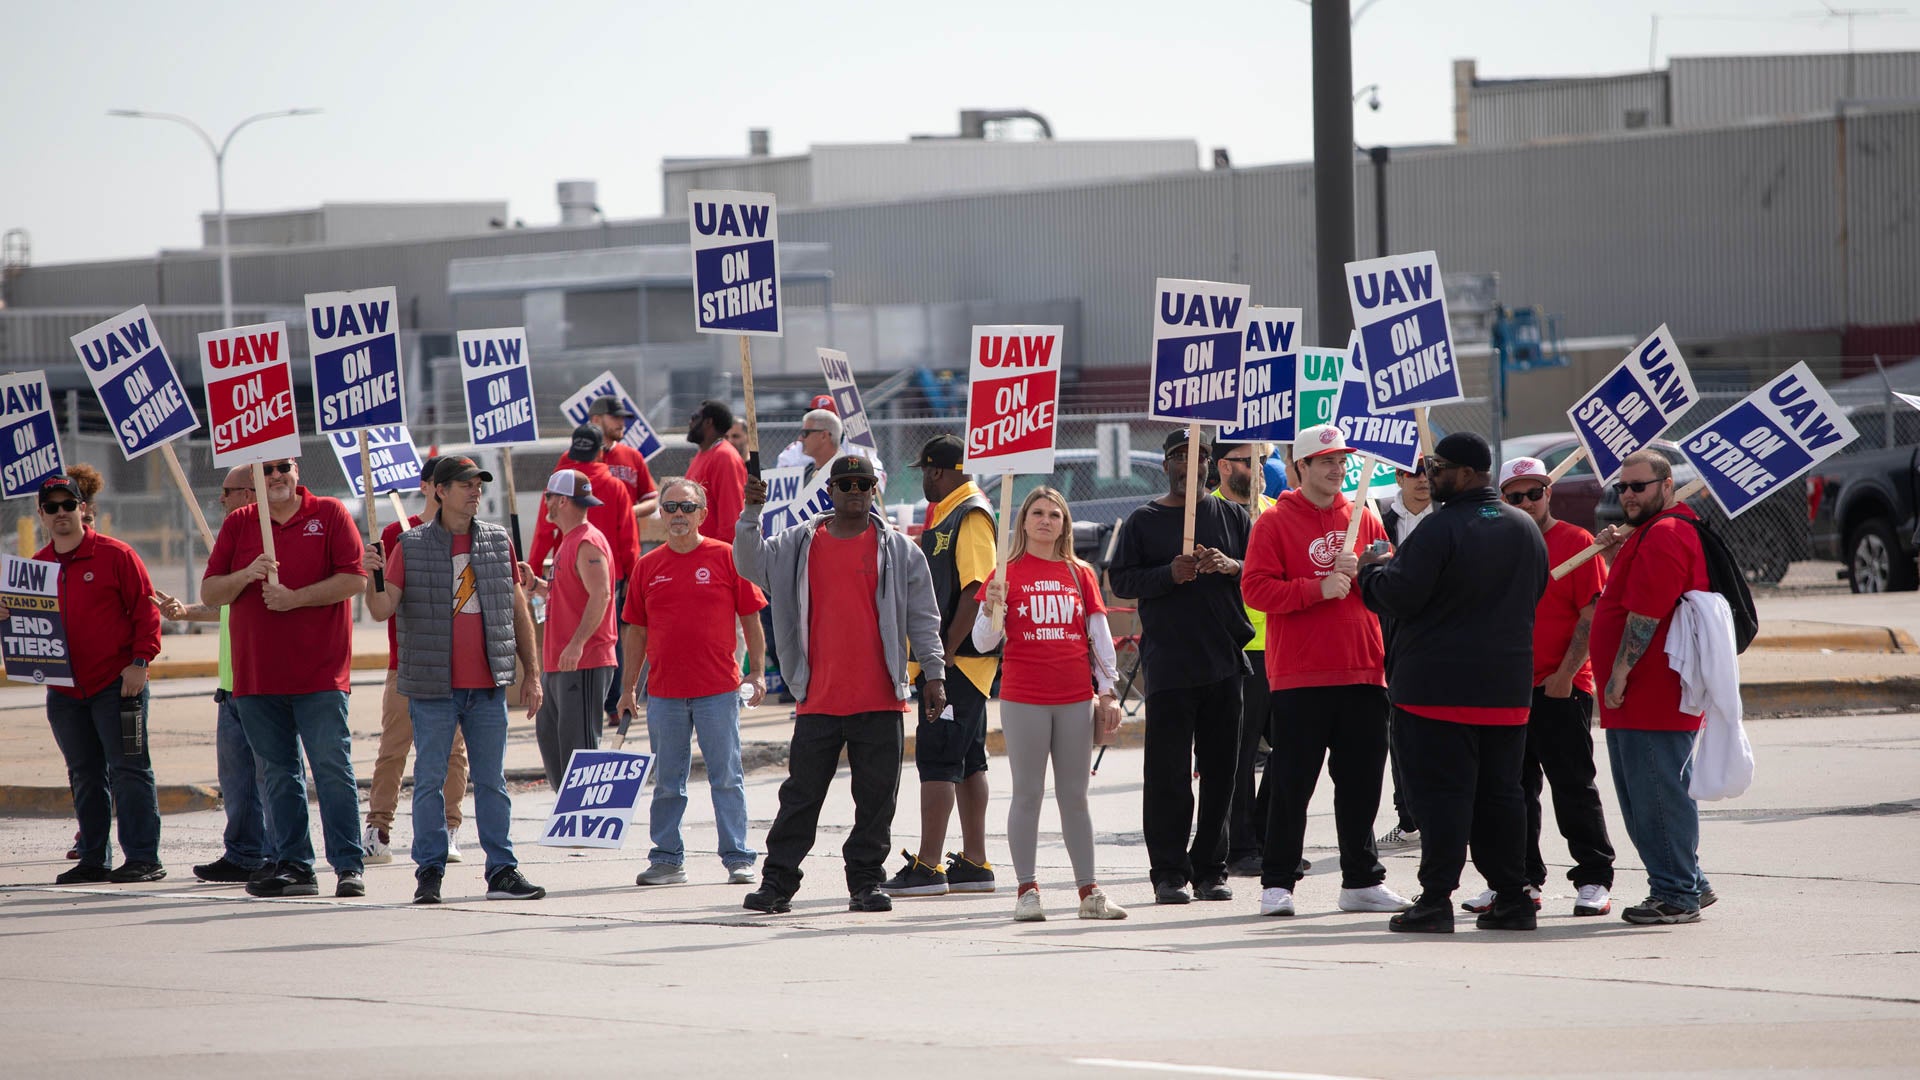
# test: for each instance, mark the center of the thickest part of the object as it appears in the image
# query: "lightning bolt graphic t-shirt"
(470, 669)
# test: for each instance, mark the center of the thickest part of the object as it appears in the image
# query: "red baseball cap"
(824, 401)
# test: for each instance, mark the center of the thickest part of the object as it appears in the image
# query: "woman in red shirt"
(1053, 615)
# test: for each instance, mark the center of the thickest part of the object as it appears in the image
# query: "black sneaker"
(510, 884)
(1426, 916)
(1212, 890)
(83, 874)
(351, 883)
(917, 879)
(287, 879)
(1508, 913)
(1707, 898)
(426, 889)
(870, 899)
(1650, 911)
(129, 872)
(766, 899)
(264, 871)
(965, 875)
(1245, 866)
(1168, 892)
(223, 871)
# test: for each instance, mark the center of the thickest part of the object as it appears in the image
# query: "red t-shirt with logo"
(848, 669)
(1658, 564)
(470, 668)
(1045, 660)
(567, 604)
(307, 650)
(390, 543)
(695, 599)
(1560, 606)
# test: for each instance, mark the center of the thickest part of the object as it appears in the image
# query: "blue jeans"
(672, 724)
(105, 781)
(242, 779)
(482, 716)
(277, 727)
(1650, 775)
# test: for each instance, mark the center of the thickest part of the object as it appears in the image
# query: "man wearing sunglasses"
(1462, 592)
(292, 626)
(113, 632)
(1560, 720)
(849, 593)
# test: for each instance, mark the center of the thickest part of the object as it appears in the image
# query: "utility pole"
(1332, 167)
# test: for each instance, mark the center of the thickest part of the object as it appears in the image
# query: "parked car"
(1861, 504)
(1096, 502)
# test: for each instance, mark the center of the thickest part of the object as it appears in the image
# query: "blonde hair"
(1062, 544)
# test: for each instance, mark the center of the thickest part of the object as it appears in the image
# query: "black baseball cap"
(452, 470)
(1177, 440)
(941, 452)
(59, 482)
(851, 465)
(586, 442)
(608, 405)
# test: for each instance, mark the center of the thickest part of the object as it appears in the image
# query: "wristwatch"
(139, 661)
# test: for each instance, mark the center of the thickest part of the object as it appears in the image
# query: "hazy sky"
(496, 100)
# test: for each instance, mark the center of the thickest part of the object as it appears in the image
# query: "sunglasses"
(806, 431)
(1532, 494)
(1247, 461)
(1435, 464)
(1636, 486)
(849, 484)
(672, 507)
(281, 469)
(231, 490)
(63, 506)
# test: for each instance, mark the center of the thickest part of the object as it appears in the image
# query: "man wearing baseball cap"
(1462, 591)
(823, 438)
(1325, 667)
(608, 416)
(578, 650)
(613, 515)
(1559, 723)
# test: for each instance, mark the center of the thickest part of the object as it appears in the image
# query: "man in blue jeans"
(291, 628)
(464, 623)
(112, 633)
(689, 587)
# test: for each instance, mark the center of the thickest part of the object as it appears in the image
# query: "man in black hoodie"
(1463, 589)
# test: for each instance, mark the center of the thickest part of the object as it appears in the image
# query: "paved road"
(1807, 967)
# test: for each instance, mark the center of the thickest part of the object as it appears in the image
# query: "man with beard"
(718, 468)
(1463, 592)
(609, 417)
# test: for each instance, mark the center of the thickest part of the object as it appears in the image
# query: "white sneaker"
(1276, 901)
(453, 848)
(1373, 898)
(1397, 837)
(1095, 905)
(1484, 902)
(742, 875)
(661, 874)
(378, 851)
(1592, 900)
(1027, 907)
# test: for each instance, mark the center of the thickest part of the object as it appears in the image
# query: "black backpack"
(1725, 577)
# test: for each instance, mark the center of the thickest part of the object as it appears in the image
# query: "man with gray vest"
(463, 624)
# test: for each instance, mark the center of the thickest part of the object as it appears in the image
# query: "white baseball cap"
(573, 484)
(1320, 439)
(1522, 468)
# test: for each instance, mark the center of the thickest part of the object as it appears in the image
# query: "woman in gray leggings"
(1057, 647)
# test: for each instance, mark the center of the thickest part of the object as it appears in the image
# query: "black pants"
(874, 743)
(1560, 752)
(612, 704)
(1344, 727)
(1464, 782)
(1188, 729)
(1402, 811)
(1247, 823)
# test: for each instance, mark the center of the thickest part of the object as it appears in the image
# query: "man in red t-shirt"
(1560, 722)
(291, 624)
(579, 650)
(849, 593)
(1649, 740)
(717, 467)
(624, 462)
(690, 589)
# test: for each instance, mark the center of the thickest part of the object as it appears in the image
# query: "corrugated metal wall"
(1508, 114)
(872, 173)
(790, 179)
(1709, 91)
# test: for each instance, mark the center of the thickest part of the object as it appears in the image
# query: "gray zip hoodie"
(905, 600)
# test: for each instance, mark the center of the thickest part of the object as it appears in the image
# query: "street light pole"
(219, 153)
(1332, 167)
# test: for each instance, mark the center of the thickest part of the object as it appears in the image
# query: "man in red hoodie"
(1325, 665)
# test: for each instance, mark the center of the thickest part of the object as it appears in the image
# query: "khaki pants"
(396, 739)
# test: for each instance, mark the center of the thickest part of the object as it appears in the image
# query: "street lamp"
(220, 181)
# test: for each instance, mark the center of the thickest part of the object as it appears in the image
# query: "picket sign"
(266, 519)
(1013, 396)
(1579, 454)
(1586, 554)
(1359, 505)
(1193, 482)
(997, 609)
(735, 237)
(145, 401)
(1632, 405)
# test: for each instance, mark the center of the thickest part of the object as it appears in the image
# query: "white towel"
(1700, 648)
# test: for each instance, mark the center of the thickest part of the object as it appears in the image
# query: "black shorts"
(952, 750)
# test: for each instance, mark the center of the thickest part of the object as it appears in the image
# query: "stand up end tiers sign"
(1013, 391)
(736, 262)
(248, 376)
(499, 384)
(29, 441)
(1196, 351)
(355, 341)
(1400, 310)
(143, 396)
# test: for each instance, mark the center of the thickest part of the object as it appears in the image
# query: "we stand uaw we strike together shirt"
(1045, 659)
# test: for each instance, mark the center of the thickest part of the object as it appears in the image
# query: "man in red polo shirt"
(717, 468)
(113, 631)
(623, 462)
(1649, 740)
(292, 629)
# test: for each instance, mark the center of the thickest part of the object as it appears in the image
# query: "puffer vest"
(425, 613)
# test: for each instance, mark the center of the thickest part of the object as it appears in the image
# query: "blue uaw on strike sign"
(355, 341)
(29, 441)
(1390, 437)
(1269, 364)
(1640, 398)
(736, 262)
(1196, 351)
(396, 462)
(597, 798)
(854, 423)
(499, 383)
(1768, 439)
(145, 401)
(639, 434)
(1400, 309)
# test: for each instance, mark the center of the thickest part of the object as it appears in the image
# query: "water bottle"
(133, 726)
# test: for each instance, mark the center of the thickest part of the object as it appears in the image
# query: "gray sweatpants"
(569, 716)
(1033, 732)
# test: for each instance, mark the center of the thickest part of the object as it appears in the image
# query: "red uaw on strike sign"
(1012, 396)
(249, 378)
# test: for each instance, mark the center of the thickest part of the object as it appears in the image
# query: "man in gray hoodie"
(848, 594)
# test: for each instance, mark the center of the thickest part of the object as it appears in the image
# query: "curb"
(1831, 697)
(1869, 639)
(57, 802)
